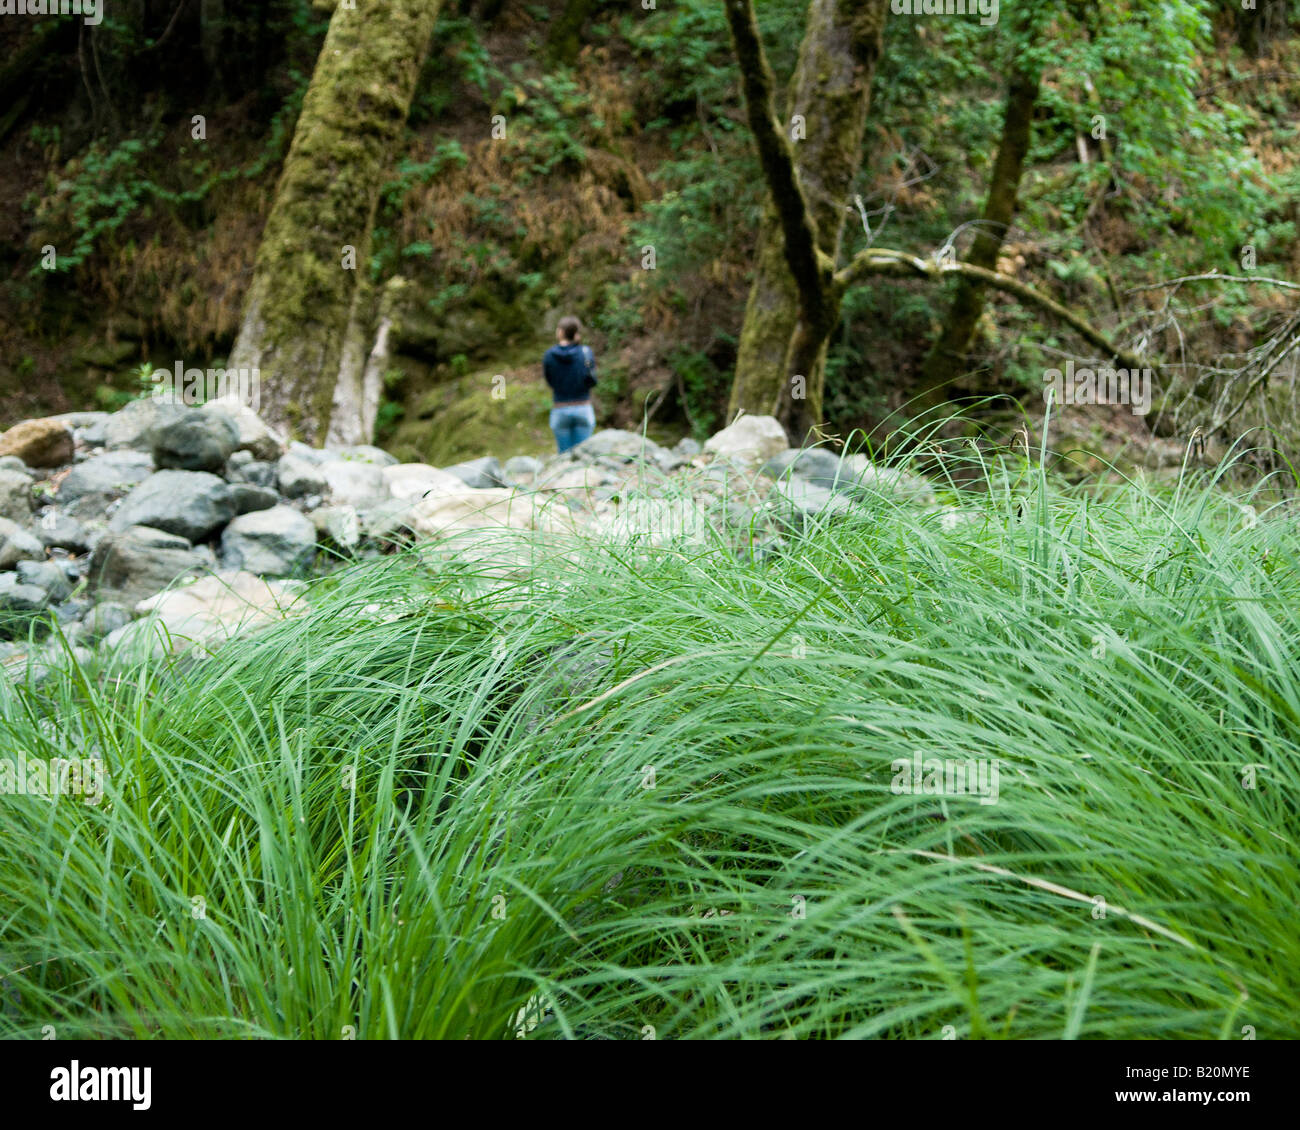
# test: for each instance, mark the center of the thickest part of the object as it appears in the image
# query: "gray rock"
(809, 498)
(15, 496)
(254, 436)
(612, 441)
(523, 465)
(12, 463)
(110, 474)
(367, 453)
(18, 544)
(133, 425)
(815, 464)
(126, 567)
(243, 468)
(77, 420)
(316, 456)
(355, 484)
(192, 504)
(687, 447)
(48, 576)
(105, 617)
(299, 477)
(862, 477)
(277, 542)
(60, 531)
(16, 597)
(479, 474)
(339, 524)
(249, 498)
(196, 441)
(70, 612)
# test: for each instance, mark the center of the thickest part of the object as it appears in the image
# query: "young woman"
(570, 370)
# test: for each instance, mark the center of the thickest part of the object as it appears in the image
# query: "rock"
(192, 504)
(366, 453)
(212, 610)
(61, 531)
(479, 474)
(48, 576)
(253, 436)
(133, 425)
(129, 566)
(749, 441)
(110, 474)
(17, 597)
(298, 477)
(386, 521)
(196, 441)
(408, 482)
(575, 478)
(860, 475)
(809, 498)
(495, 508)
(12, 463)
(656, 521)
(18, 544)
(815, 463)
(78, 421)
(39, 443)
(687, 447)
(277, 542)
(248, 498)
(104, 618)
(523, 465)
(313, 455)
(340, 524)
(612, 441)
(71, 612)
(243, 468)
(354, 484)
(15, 496)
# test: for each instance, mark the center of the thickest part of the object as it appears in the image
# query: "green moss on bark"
(303, 305)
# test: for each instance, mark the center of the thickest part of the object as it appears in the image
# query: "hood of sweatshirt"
(567, 353)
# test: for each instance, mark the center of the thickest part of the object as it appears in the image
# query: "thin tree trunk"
(305, 316)
(831, 92)
(947, 357)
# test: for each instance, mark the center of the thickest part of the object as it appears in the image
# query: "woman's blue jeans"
(572, 424)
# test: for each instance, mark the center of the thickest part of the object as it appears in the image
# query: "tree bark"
(831, 92)
(306, 316)
(947, 357)
(565, 38)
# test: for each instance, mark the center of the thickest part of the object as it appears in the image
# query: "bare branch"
(886, 262)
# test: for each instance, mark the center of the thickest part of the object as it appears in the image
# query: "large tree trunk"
(831, 92)
(306, 316)
(947, 357)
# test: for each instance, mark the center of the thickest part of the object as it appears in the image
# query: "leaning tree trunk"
(308, 306)
(831, 92)
(947, 357)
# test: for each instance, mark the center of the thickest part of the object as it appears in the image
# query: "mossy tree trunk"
(831, 95)
(308, 308)
(947, 357)
(566, 34)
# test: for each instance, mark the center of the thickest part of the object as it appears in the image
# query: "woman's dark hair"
(570, 327)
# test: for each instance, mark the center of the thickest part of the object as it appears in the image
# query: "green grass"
(649, 791)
